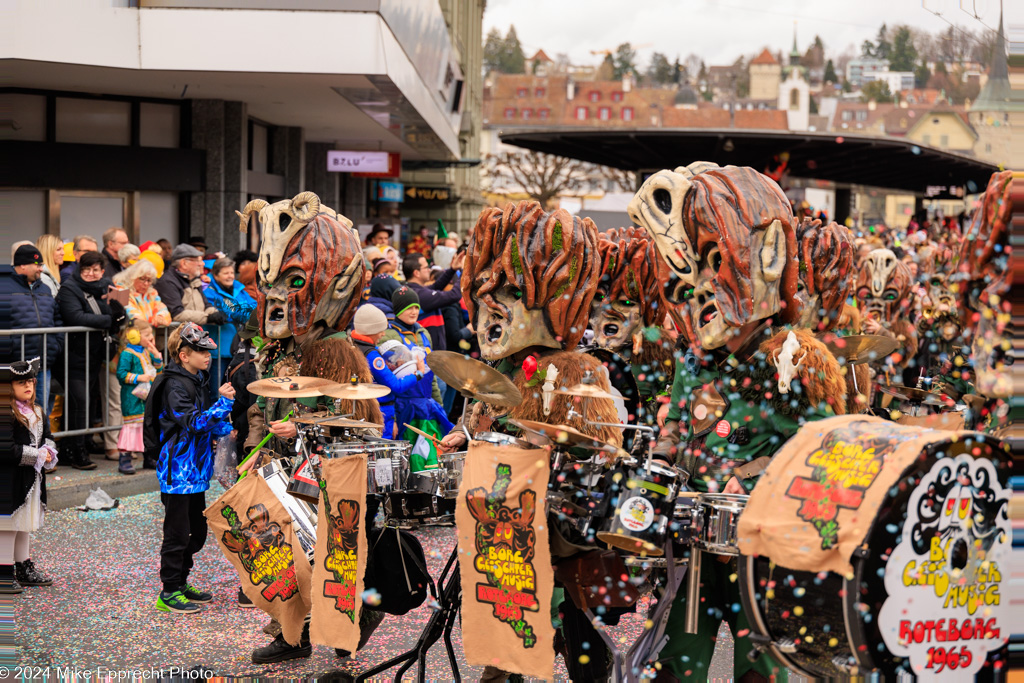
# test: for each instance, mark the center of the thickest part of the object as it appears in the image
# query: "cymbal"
(565, 435)
(474, 379)
(861, 348)
(325, 420)
(289, 387)
(912, 394)
(585, 391)
(355, 391)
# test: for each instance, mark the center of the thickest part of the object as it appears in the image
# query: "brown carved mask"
(826, 272)
(319, 281)
(983, 285)
(883, 286)
(728, 235)
(629, 294)
(529, 278)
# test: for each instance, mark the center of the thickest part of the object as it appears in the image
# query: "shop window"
(97, 122)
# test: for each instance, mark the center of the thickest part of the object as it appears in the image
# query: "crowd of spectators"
(116, 288)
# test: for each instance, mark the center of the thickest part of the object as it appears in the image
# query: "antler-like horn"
(305, 206)
(256, 205)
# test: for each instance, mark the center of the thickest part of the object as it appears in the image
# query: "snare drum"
(453, 464)
(641, 506)
(431, 481)
(387, 461)
(303, 514)
(715, 518)
(503, 440)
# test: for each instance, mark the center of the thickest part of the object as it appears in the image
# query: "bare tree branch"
(545, 176)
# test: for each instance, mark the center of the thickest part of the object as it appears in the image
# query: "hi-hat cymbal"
(912, 394)
(355, 391)
(474, 379)
(861, 348)
(565, 435)
(585, 391)
(289, 387)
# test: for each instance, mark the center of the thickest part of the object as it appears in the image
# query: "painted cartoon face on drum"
(727, 234)
(310, 269)
(883, 286)
(529, 278)
(629, 294)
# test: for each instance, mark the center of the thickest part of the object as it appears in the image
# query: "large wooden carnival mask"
(629, 293)
(529, 278)
(884, 287)
(728, 236)
(826, 271)
(310, 268)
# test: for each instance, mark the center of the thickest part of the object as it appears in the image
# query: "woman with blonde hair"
(143, 301)
(52, 249)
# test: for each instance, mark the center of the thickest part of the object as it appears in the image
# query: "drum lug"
(844, 665)
(786, 645)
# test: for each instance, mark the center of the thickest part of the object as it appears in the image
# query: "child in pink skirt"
(137, 368)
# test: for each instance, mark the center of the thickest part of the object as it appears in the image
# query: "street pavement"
(99, 615)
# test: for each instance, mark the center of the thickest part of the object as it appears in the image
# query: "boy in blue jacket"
(182, 423)
(368, 328)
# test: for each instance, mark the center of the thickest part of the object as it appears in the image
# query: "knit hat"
(27, 254)
(185, 251)
(403, 298)
(369, 320)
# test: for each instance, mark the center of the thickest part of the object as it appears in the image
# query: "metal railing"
(217, 366)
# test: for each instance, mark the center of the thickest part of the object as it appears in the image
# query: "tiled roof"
(696, 118)
(762, 119)
(766, 57)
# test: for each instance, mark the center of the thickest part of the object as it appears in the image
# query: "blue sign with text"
(390, 192)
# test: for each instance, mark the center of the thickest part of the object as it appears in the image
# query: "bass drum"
(887, 618)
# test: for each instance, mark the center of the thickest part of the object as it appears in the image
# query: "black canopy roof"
(843, 159)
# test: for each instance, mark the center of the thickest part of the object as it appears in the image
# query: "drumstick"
(260, 445)
(437, 442)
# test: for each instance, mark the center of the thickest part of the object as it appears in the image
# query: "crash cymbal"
(474, 379)
(355, 391)
(585, 391)
(565, 435)
(912, 394)
(289, 387)
(861, 348)
(324, 420)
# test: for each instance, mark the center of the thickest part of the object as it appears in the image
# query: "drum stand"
(629, 665)
(440, 624)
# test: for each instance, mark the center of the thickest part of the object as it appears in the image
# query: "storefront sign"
(390, 192)
(394, 168)
(428, 194)
(948, 577)
(352, 161)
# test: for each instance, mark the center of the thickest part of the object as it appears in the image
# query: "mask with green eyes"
(883, 286)
(319, 281)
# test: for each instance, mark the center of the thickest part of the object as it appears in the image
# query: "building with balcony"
(165, 116)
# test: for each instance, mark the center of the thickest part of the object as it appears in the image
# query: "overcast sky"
(722, 31)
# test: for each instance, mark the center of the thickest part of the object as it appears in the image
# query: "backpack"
(151, 437)
(397, 570)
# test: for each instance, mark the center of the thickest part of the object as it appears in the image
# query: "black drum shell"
(830, 599)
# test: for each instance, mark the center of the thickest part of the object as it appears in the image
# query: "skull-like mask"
(629, 293)
(727, 234)
(883, 286)
(529, 278)
(310, 267)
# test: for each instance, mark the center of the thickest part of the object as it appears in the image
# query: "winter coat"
(81, 303)
(30, 306)
(148, 307)
(111, 266)
(242, 372)
(383, 375)
(423, 400)
(236, 305)
(183, 297)
(188, 424)
(47, 279)
(432, 300)
(17, 477)
(129, 368)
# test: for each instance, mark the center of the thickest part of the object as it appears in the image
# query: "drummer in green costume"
(746, 382)
(310, 275)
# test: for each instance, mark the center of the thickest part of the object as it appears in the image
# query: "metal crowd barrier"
(217, 368)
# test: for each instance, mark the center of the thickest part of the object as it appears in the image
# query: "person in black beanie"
(83, 300)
